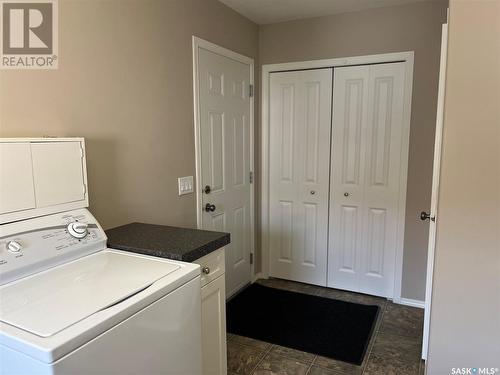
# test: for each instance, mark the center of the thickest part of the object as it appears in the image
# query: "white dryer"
(69, 305)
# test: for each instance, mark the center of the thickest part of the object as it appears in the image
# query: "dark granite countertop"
(166, 242)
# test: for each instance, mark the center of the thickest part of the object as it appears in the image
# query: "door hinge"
(250, 91)
(251, 258)
(250, 177)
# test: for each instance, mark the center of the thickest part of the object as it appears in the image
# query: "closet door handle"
(346, 194)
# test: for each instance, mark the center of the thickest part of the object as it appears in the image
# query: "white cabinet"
(40, 176)
(58, 173)
(213, 322)
(213, 313)
(16, 182)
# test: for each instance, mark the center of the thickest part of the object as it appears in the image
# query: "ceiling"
(271, 11)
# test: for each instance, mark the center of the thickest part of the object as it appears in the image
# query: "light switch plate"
(186, 185)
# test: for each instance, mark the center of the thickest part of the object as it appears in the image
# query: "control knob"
(14, 246)
(77, 230)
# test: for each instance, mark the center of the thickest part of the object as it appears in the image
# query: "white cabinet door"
(224, 106)
(367, 137)
(58, 173)
(16, 183)
(213, 316)
(300, 120)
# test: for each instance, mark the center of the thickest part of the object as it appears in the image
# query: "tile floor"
(394, 348)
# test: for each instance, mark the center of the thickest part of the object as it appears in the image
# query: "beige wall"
(415, 27)
(125, 84)
(465, 315)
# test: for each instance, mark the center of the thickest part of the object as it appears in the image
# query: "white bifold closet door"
(300, 118)
(366, 172)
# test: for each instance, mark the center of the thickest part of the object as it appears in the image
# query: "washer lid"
(46, 303)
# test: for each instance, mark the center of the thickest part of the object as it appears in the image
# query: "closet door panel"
(365, 176)
(300, 118)
(348, 164)
(383, 168)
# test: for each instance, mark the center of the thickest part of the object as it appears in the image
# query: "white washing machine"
(68, 304)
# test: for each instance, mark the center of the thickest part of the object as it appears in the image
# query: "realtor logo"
(29, 34)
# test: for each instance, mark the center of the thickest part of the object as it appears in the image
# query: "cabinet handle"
(205, 270)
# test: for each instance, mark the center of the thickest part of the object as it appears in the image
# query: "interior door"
(367, 135)
(300, 122)
(224, 106)
(435, 189)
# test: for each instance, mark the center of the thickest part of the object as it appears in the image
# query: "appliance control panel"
(34, 245)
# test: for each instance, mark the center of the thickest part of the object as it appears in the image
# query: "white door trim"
(267, 69)
(198, 44)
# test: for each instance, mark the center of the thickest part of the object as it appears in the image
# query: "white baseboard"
(412, 302)
(257, 276)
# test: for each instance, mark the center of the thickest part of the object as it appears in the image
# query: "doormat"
(323, 326)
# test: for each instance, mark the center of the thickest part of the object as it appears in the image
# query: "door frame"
(404, 57)
(198, 44)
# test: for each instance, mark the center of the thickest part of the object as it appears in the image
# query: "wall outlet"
(186, 185)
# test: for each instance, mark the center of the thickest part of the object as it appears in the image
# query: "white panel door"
(224, 106)
(300, 122)
(367, 135)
